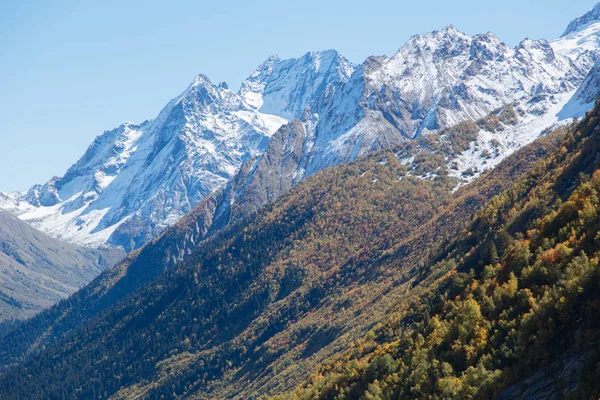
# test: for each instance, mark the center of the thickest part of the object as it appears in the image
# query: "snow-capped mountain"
(138, 179)
(434, 81)
(437, 80)
(135, 180)
(586, 95)
(581, 39)
(286, 87)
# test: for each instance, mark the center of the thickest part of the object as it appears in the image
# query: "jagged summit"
(135, 180)
(447, 31)
(582, 22)
(285, 87)
(434, 81)
(445, 39)
(581, 40)
(446, 76)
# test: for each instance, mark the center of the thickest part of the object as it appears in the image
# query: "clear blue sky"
(73, 69)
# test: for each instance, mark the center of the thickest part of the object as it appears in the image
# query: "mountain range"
(417, 226)
(138, 179)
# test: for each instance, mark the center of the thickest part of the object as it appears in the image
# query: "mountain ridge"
(590, 17)
(476, 147)
(138, 179)
(158, 170)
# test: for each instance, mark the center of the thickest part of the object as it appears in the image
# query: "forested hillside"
(508, 310)
(255, 308)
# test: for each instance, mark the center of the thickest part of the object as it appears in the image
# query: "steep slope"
(581, 39)
(586, 95)
(508, 310)
(136, 180)
(265, 178)
(287, 87)
(37, 271)
(462, 152)
(254, 308)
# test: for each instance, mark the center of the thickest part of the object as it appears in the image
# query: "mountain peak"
(443, 42)
(449, 29)
(201, 80)
(201, 86)
(448, 34)
(329, 58)
(286, 87)
(316, 55)
(272, 57)
(267, 64)
(581, 22)
(581, 40)
(533, 43)
(331, 53)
